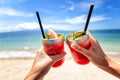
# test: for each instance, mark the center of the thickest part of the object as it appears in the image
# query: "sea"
(26, 43)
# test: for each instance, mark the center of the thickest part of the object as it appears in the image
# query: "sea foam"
(13, 54)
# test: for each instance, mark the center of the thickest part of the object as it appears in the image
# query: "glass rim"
(52, 41)
(82, 40)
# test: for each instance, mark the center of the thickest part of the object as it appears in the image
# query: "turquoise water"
(108, 39)
(19, 40)
(31, 40)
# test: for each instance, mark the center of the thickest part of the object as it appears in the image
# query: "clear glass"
(54, 47)
(84, 42)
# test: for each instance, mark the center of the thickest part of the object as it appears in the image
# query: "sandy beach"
(17, 68)
(16, 48)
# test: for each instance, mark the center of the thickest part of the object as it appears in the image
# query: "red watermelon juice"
(81, 39)
(54, 46)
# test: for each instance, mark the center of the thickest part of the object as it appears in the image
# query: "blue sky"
(18, 15)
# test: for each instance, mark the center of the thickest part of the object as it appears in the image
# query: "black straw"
(88, 18)
(38, 17)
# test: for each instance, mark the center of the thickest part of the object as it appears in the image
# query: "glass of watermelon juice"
(53, 46)
(82, 39)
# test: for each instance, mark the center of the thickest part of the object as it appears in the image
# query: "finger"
(41, 54)
(39, 51)
(91, 36)
(80, 49)
(58, 57)
(92, 42)
(61, 55)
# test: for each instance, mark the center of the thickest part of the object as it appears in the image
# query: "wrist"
(31, 75)
(112, 68)
(116, 67)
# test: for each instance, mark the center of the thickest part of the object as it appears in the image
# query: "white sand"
(16, 69)
(72, 71)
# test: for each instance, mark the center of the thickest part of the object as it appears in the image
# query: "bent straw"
(38, 17)
(88, 18)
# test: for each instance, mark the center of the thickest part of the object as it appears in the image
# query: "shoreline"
(31, 54)
(19, 55)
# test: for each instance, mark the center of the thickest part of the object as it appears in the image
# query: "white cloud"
(86, 4)
(98, 18)
(81, 19)
(45, 11)
(35, 25)
(27, 26)
(70, 6)
(82, 5)
(58, 27)
(12, 12)
(20, 26)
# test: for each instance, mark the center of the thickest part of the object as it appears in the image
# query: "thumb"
(80, 49)
(58, 56)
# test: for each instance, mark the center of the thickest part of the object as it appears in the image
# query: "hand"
(98, 57)
(42, 64)
(94, 53)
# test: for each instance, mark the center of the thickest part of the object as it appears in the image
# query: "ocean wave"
(26, 48)
(112, 53)
(14, 54)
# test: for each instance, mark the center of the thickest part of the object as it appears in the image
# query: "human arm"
(42, 64)
(98, 57)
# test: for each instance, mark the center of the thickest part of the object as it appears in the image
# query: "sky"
(17, 15)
